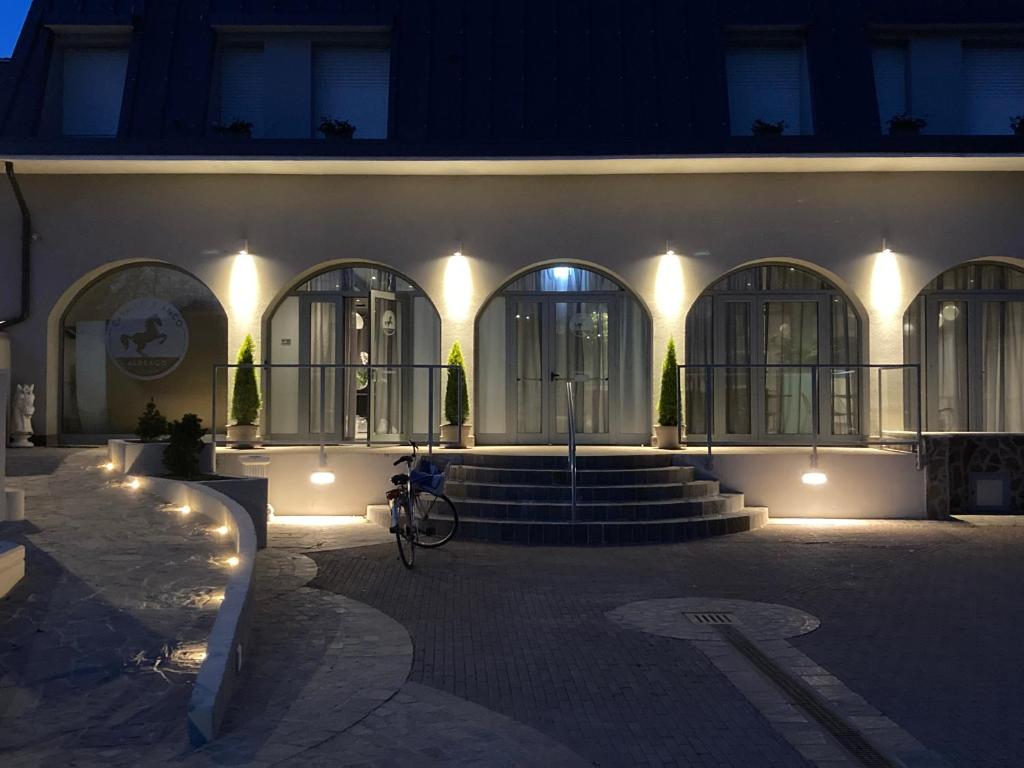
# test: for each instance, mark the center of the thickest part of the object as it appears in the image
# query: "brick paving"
(920, 618)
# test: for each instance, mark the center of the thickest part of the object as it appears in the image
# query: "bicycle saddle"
(399, 479)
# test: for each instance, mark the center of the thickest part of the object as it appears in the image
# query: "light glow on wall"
(886, 284)
(244, 290)
(668, 286)
(458, 287)
(814, 477)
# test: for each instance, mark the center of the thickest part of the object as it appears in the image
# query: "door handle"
(555, 376)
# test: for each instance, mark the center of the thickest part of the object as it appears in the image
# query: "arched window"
(556, 324)
(357, 315)
(138, 332)
(966, 328)
(773, 315)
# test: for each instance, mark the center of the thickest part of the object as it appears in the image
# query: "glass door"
(385, 418)
(1001, 406)
(527, 323)
(320, 343)
(580, 353)
(790, 338)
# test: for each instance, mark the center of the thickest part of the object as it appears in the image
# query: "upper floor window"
(241, 87)
(92, 90)
(769, 91)
(351, 85)
(993, 88)
(892, 84)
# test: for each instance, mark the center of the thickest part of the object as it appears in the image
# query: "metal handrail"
(815, 370)
(323, 368)
(570, 399)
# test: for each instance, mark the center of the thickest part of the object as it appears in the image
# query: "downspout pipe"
(26, 252)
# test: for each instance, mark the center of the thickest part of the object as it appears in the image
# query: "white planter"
(243, 435)
(450, 435)
(668, 437)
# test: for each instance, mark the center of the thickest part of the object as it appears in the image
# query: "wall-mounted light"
(458, 287)
(886, 283)
(668, 286)
(323, 474)
(244, 288)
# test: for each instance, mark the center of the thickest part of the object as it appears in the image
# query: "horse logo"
(143, 339)
(147, 338)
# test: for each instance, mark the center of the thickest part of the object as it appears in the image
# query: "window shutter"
(993, 88)
(890, 62)
(765, 83)
(241, 87)
(352, 84)
(93, 90)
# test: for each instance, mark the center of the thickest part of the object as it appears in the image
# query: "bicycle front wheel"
(405, 537)
(436, 519)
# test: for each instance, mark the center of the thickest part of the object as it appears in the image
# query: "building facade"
(797, 194)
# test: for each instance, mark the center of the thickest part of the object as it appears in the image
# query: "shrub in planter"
(245, 399)
(336, 129)
(906, 125)
(236, 128)
(152, 424)
(1017, 124)
(668, 400)
(765, 128)
(455, 395)
(181, 456)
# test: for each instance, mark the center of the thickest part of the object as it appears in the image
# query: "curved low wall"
(226, 646)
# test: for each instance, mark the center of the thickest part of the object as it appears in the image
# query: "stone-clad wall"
(951, 459)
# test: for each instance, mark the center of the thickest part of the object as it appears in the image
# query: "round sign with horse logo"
(147, 338)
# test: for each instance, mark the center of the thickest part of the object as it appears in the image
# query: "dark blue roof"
(490, 78)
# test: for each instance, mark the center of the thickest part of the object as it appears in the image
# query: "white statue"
(24, 409)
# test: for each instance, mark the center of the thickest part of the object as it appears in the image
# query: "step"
(526, 511)
(598, 534)
(649, 460)
(560, 476)
(517, 492)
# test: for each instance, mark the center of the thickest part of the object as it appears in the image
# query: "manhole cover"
(709, 618)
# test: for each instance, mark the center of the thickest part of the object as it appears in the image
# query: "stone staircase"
(642, 498)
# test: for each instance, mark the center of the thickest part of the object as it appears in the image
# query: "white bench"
(12, 566)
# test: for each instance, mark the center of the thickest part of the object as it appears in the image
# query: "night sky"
(12, 14)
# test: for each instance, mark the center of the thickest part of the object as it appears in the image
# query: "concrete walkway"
(100, 643)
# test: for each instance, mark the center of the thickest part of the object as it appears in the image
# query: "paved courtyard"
(488, 655)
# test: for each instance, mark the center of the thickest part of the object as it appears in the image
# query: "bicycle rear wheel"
(436, 519)
(405, 537)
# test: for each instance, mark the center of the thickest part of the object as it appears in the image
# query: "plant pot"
(243, 435)
(450, 435)
(668, 437)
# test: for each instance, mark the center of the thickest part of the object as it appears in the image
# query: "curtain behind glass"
(1003, 366)
(791, 337)
(699, 346)
(951, 402)
(845, 381)
(634, 356)
(322, 351)
(529, 384)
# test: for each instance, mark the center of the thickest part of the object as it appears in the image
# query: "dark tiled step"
(584, 493)
(560, 476)
(552, 512)
(649, 460)
(599, 534)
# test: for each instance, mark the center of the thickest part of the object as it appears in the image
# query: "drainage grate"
(709, 618)
(851, 739)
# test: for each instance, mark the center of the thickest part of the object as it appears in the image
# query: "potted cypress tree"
(245, 401)
(455, 395)
(667, 428)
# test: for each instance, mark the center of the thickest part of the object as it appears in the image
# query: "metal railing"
(570, 400)
(856, 389)
(266, 387)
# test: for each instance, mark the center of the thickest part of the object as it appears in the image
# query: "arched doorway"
(352, 314)
(558, 323)
(773, 315)
(139, 331)
(966, 328)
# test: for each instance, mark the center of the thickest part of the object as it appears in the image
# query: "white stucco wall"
(715, 222)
